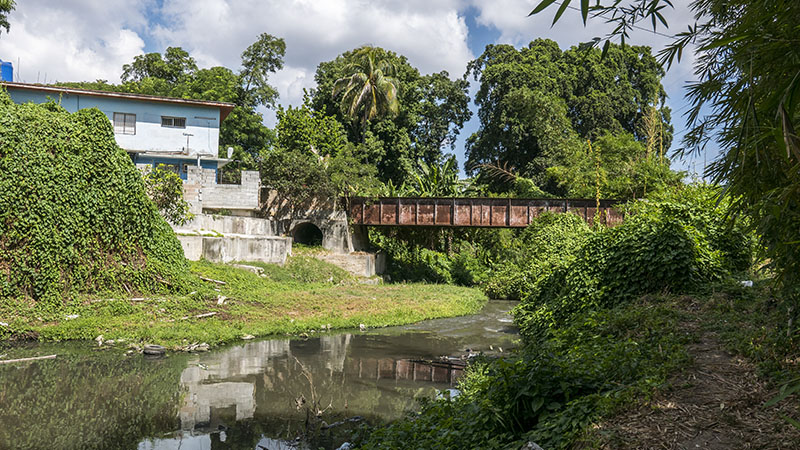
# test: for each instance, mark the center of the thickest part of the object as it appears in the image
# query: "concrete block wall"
(201, 191)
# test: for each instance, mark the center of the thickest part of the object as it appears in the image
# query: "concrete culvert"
(307, 233)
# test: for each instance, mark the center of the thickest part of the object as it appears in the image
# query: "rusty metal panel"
(519, 214)
(499, 213)
(615, 217)
(479, 217)
(425, 213)
(407, 213)
(463, 214)
(372, 214)
(443, 212)
(388, 212)
(356, 213)
(592, 212)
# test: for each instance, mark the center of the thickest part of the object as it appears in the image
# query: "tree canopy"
(431, 110)
(537, 100)
(746, 100)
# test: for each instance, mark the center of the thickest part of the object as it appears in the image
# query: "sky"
(85, 40)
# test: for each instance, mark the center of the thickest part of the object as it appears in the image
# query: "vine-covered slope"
(74, 216)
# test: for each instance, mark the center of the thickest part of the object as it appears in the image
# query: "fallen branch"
(35, 358)
(208, 314)
(212, 280)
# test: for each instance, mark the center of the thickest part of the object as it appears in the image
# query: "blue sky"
(74, 40)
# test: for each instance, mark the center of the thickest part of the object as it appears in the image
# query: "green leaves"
(165, 188)
(538, 105)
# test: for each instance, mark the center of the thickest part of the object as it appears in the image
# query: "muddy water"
(254, 395)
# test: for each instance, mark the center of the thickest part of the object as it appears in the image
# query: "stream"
(250, 395)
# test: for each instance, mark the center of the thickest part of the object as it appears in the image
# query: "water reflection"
(253, 395)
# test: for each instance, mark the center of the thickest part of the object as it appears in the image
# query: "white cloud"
(431, 34)
(73, 40)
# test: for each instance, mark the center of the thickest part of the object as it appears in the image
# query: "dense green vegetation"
(303, 295)
(74, 215)
(596, 321)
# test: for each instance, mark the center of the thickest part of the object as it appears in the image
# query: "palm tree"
(369, 90)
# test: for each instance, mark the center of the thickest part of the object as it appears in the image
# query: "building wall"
(183, 164)
(202, 122)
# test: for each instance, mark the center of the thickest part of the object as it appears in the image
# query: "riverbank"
(231, 303)
(666, 371)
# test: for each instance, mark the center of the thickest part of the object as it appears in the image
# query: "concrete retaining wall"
(269, 249)
(358, 264)
(233, 224)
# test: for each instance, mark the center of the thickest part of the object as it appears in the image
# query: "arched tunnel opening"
(307, 233)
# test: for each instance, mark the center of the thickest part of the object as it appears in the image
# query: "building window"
(124, 123)
(173, 122)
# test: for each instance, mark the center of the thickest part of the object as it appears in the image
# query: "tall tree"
(431, 110)
(261, 58)
(537, 100)
(368, 90)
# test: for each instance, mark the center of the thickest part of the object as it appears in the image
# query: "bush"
(548, 243)
(74, 216)
(409, 262)
(165, 189)
(672, 244)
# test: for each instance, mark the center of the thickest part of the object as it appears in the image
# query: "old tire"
(154, 350)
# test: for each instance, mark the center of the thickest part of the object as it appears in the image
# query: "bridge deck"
(473, 212)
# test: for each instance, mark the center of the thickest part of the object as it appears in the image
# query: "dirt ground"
(716, 403)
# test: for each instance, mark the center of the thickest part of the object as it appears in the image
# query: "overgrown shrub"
(74, 216)
(165, 189)
(667, 245)
(410, 262)
(547, 244)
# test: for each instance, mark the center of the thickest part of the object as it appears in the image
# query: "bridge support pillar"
(359, 238)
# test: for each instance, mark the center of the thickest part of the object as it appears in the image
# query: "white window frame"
(124, 123)
(169, 122)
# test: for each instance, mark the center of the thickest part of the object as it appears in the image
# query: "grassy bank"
(304, 295)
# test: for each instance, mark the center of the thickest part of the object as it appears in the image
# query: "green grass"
(303, 295)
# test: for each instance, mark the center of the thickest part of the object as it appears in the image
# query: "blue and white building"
(154, 130)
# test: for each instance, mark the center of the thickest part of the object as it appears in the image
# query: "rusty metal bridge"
(473, 212)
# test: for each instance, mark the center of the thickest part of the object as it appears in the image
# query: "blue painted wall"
(154, 161)
(201, 121)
